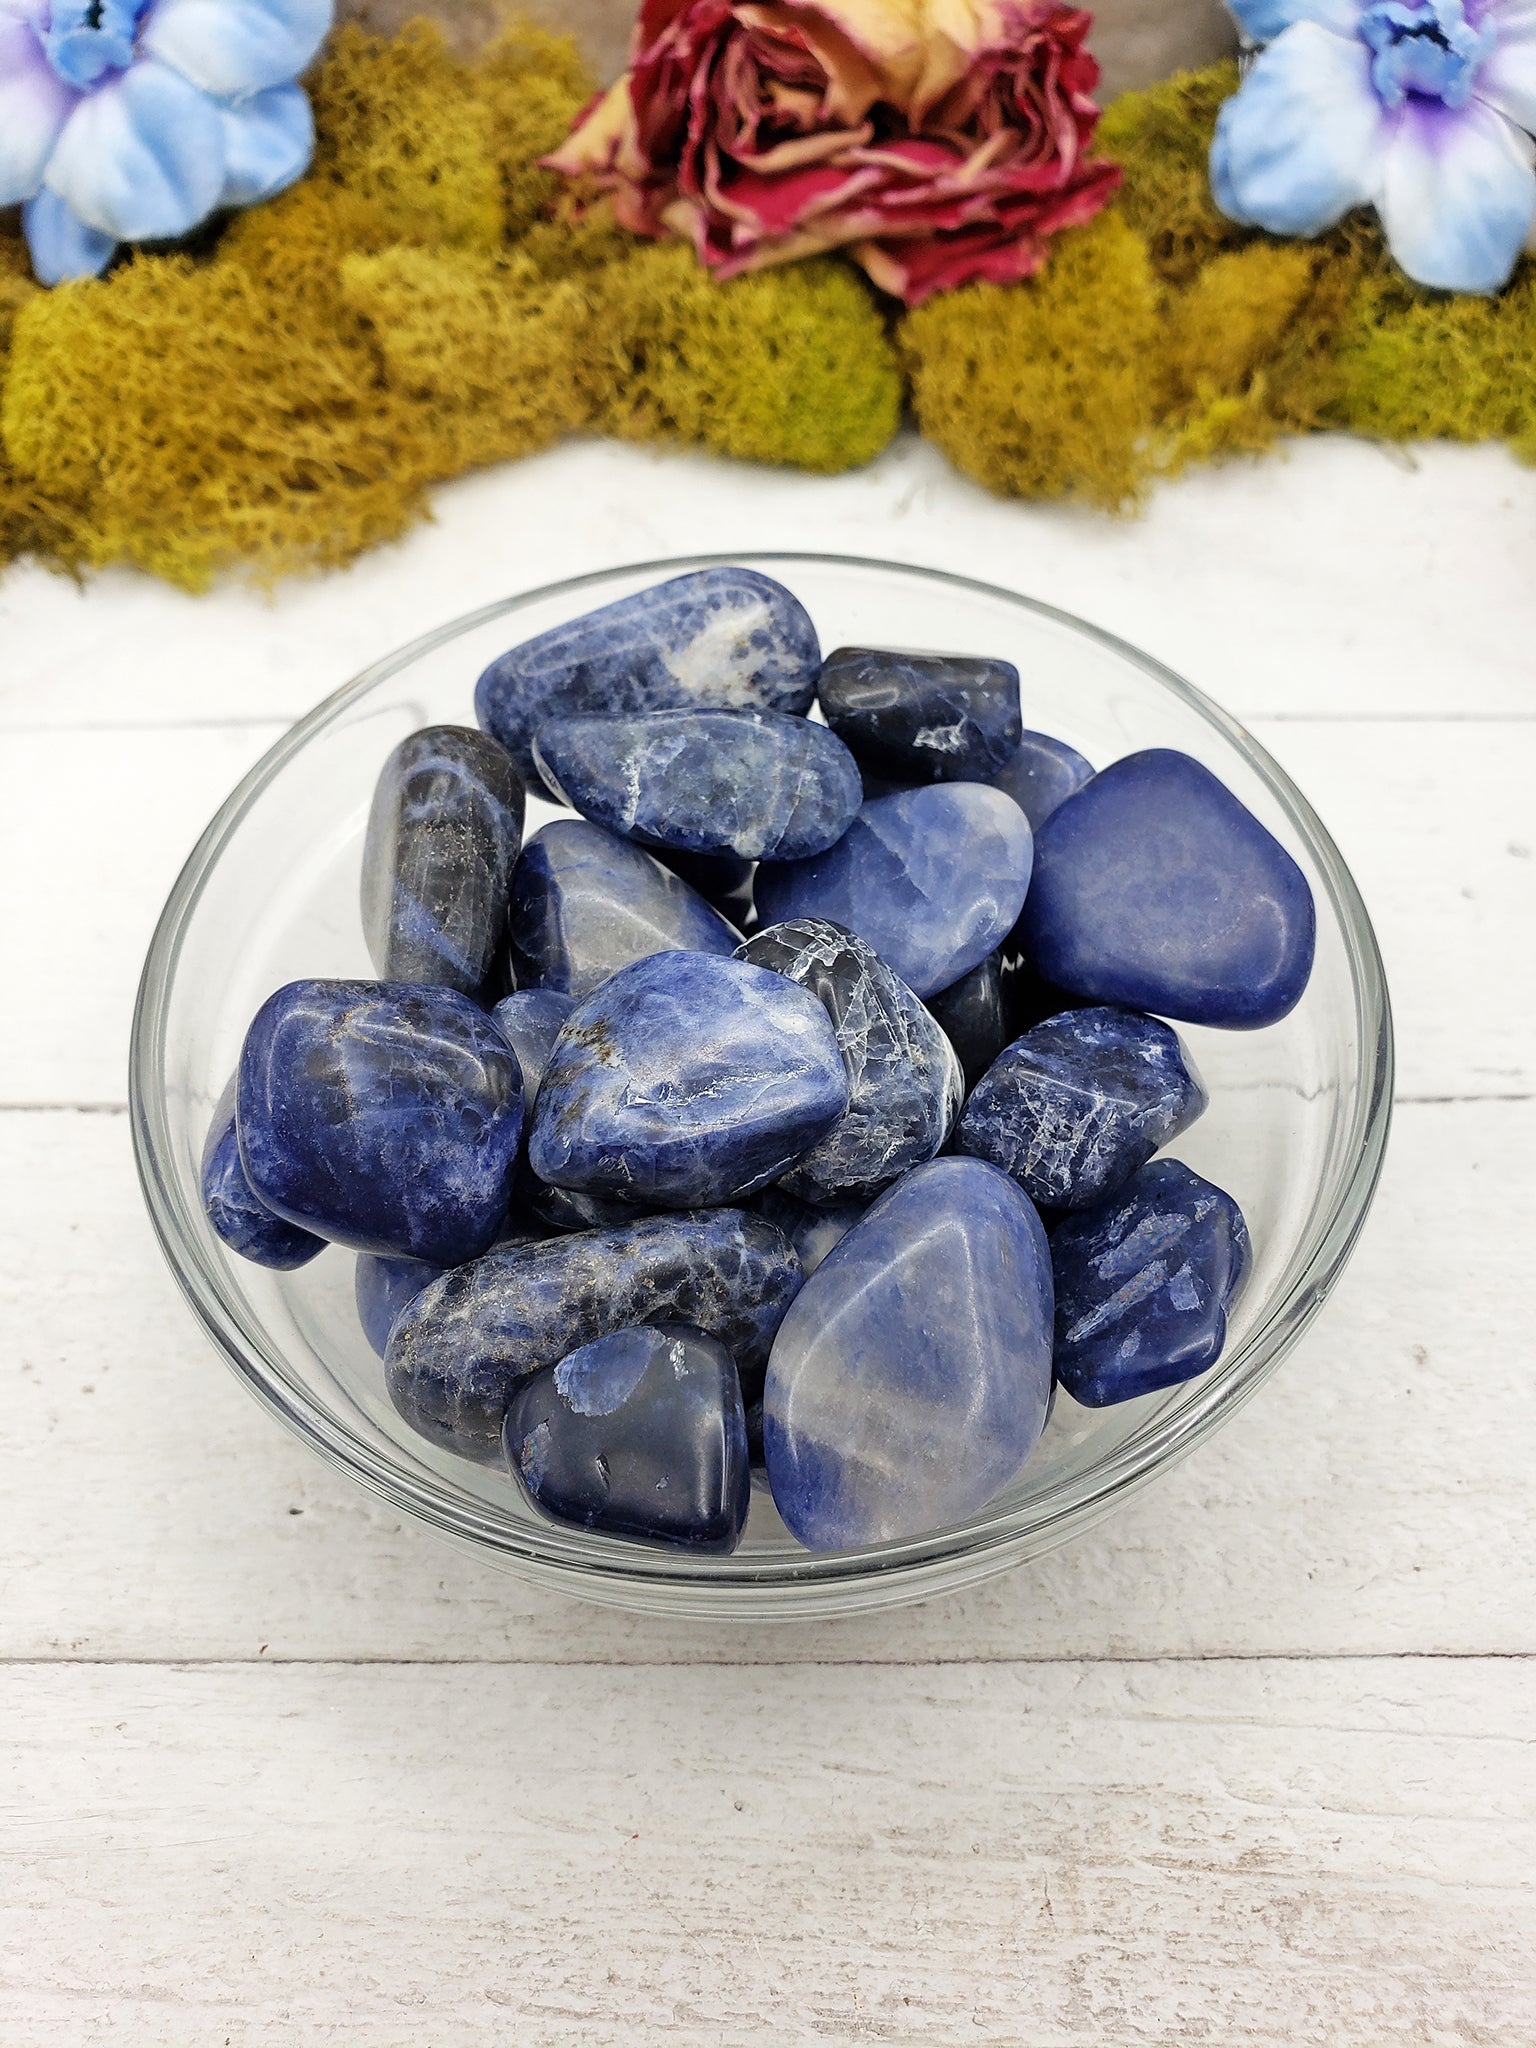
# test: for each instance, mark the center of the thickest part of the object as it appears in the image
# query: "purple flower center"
(87, 39)
(1426, 48)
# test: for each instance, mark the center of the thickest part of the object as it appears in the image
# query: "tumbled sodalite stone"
(932, 878)
(923, 717)
(530, 1021)
(1155, 887)
(1076, 1105)
(238, 1214)
(973, 1015)
(585, 903)
(686, 1080)
(758, 784)
(382, 1114)
(904, 1081)
(640, 1433)
(382, 1286)
(458, 1350)
(723, 879)
(443, 838)
(812, 1231)
(722, 638)
(1144, 1280)
(1041, 775)
(909, 1380)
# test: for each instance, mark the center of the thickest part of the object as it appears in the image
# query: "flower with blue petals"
(134, 120)
(1424, 109)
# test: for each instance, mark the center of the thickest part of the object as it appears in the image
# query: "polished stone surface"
(1144, 1280)
(932, 878)
(238, 1214)
(909, 1381)
(812, 1231)
(1073, 1107)
(385, 1115)
(586, 903)
(382, 1286)
(973, 1015)
(530, 1022)
(443, 838)
(904, 1081)
(725, 637)
(923, 717)
(758, 784)
(1155, 887)
(461, 1346)
(641, 1434)
(686, 1080)
(723, 879)
(1041, 775)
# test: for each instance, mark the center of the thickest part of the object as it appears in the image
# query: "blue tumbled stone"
(758, 784)
(904, 1081)
(384, 1115)
(973, 1015)
(1041, 775)
(910, 1378)
(923, 717)
(1143, 1283)
(1156, 888)
(812, 1231)
(458, 1350)
(641, 1434)
(586, 903)
(443, 838)
(1076, 1105)
(531, 1021)
(723, 638)
(686, 1080)
(382, 1286)
(723, 879)
(238, 1214)
(932, 878)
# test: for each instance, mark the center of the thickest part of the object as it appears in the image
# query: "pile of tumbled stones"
(793, 1103)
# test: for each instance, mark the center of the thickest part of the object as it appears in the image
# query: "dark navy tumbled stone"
(238, 1214)
(1144, 1280)
(586, 903)
(1041, 775)
(932, 878)
(443, 838)
(1156, 888)
(686, 1080)
(460, 1347)
(904, 1081)
(910, 1379)
(530, 1021)
(811, 1230)
(973, 1016)
(723, 638)
(382, 1286)
(758, 784)
(1072, 1108)
(923, 717)
(723, 879)
(641, 1434)
(382, 1114)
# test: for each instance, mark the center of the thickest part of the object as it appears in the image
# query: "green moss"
(1046, 389)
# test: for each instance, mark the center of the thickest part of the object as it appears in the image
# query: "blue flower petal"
(1262, 20)
(34, 105)
(1507, 79)
(268, 142)
(1301, 141)
(61, 244)
(235, 47)
(1458, 196)
(142, 158)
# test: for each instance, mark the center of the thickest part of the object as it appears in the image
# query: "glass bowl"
(1295, 1131)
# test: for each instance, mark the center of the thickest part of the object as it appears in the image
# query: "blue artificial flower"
(133, 120)
(1423, 109)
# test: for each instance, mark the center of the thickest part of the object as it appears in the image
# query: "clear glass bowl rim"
(741, 1587)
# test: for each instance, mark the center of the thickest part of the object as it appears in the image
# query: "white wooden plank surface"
(1299, 1853)
(1251, 1762)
